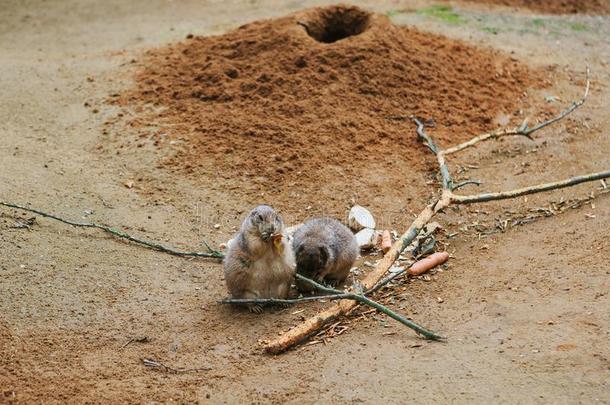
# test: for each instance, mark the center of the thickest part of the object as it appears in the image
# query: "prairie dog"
(260, 262)
(325, 250)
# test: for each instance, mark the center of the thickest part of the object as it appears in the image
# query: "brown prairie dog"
(259, 262)
(325, 250)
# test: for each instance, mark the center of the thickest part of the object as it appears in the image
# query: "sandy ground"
(527, 311)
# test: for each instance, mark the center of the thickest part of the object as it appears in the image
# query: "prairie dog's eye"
(258, 218)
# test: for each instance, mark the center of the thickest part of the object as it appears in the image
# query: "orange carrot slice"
(420, 267)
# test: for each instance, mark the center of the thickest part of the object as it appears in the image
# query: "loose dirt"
(278, 102)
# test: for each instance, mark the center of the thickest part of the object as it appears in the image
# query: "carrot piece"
(420, 267)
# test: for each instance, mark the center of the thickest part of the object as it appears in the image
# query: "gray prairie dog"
(325, 250)
(260, 262)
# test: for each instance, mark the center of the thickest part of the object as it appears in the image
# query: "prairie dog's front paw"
(255, 308)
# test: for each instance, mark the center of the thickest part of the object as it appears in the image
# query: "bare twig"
(160, 366)
(523, 129)
(446, 177)
(367, 301)
(139, 339)
(120, 234)
(465, 183)
(279, 301)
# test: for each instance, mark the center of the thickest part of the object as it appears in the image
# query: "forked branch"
(311, 325)
(334, 294)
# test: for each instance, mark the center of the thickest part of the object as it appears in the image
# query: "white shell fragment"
(366, 238)
(359, 218)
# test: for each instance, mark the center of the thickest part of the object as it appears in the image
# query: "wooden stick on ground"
(211, 253)
(313, 324)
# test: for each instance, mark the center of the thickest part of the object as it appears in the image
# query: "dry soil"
(526, 310)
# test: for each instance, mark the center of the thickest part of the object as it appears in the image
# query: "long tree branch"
(120, 234)
(279, 301)
(572, 181)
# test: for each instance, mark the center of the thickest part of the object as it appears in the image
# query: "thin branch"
(386, 280)
(465, 183)
(334, 294)
(417, 328)
(446, 177)
(523, 130)
(572, 107)
(367, 301)
(463, 199)
(279, 301)
(120, 234)
(158, 365)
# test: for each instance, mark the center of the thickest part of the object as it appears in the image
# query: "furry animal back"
(325, 250)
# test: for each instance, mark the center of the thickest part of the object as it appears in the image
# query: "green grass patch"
(538, 22)
(578, 26)
(443, 13)
(392, 13)
(491, 30)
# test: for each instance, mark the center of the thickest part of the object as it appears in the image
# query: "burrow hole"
(332, 24)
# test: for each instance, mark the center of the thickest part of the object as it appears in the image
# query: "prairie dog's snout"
(311, 259)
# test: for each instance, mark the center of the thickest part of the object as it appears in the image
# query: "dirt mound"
(557, 6)
(323, 93)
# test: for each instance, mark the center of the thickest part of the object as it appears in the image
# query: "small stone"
(366, 238)
(359, 218)
(216, 226)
